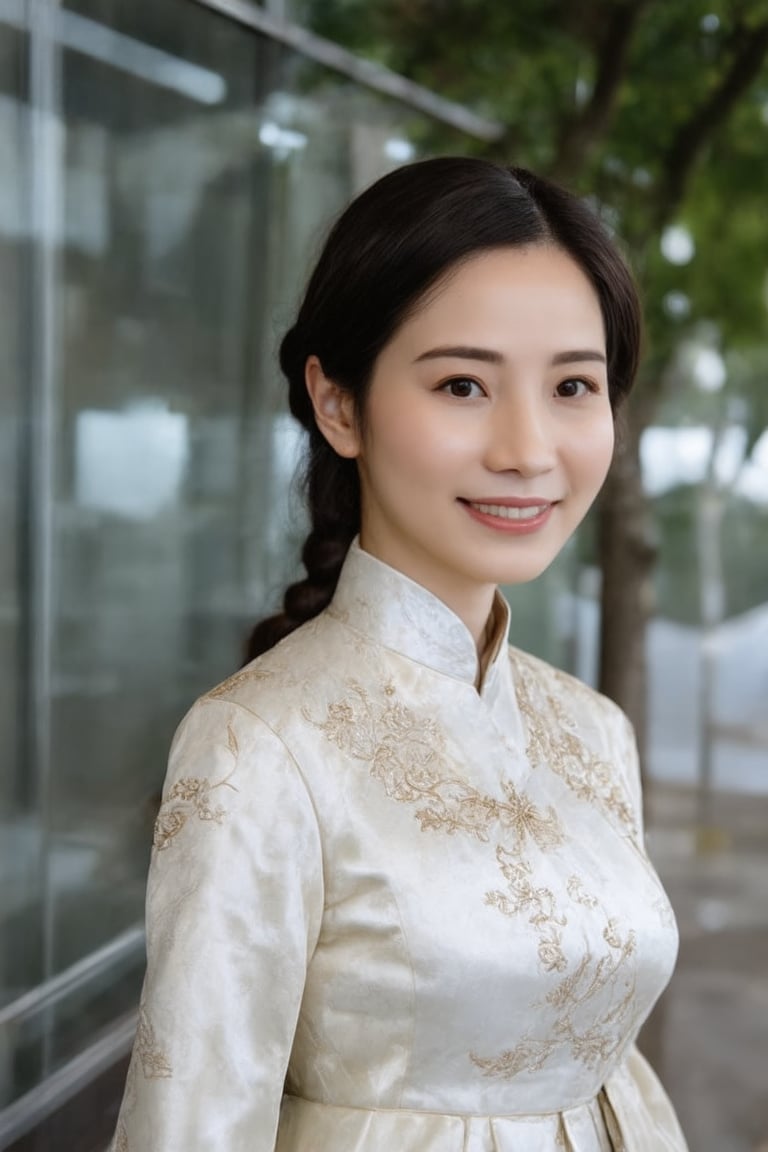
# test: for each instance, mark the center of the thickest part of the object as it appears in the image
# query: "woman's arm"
(234, 903)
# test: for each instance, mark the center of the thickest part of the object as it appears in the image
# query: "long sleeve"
(234, 902)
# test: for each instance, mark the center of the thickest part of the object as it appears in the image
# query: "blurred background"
(167, 171)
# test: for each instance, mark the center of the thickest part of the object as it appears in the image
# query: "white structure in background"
(740, 690)
(674, 456)
(708, 687)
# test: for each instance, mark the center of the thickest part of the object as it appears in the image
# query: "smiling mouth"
(510, 512)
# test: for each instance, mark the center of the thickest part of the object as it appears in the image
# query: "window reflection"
(130, 463)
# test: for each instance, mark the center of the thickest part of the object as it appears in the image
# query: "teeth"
(506, 513)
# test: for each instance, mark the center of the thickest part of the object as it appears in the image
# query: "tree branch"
(693, 135)
(580, 135)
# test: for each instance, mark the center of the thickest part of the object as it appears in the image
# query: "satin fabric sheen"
(390, 911)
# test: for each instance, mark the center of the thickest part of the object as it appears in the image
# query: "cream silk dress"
(388, 912)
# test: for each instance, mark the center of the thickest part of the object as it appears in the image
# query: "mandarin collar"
(406, 618)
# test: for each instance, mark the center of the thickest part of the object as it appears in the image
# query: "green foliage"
(534, 66)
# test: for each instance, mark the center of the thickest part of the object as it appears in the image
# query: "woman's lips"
(524, 515)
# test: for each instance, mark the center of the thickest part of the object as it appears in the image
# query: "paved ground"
(710, 1039)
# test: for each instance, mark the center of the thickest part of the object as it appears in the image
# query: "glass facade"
(166, 175)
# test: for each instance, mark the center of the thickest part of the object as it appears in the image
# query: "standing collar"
(405, 617)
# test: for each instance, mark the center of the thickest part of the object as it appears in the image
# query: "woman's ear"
(334, 410)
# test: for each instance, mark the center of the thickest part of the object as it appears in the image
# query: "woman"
(399, 900)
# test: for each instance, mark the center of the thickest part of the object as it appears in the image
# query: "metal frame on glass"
(364, 72)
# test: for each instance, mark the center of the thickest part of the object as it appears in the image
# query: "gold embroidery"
(527, 1056)
(405, 750)
(578, 895)
(406, 753)
(592, 977)
(455, 805)
(232, 683)
(550, 950)
(128, 1104)
(191, 796)
(154, 1063)
(540, 902)
(521, 815)
(553, 741)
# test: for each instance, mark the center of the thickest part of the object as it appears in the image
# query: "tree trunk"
(627, 554)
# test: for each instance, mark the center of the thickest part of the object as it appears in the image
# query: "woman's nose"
(522, 438)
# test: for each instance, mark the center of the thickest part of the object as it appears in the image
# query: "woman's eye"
(574, 386)
(462, 387)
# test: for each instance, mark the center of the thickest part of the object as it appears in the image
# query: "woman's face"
(488, 429)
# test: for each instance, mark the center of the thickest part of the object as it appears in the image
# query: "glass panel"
(21, 875)
(198, 165)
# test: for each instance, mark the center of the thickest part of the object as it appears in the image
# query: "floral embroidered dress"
(390, 912)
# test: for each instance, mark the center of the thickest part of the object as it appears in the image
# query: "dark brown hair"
(383, 255)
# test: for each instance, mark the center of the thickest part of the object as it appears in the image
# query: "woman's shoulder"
(288, 682)
(284, 672)
(239, 738)
(564, 690)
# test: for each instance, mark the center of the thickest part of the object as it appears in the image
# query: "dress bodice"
(390, 910)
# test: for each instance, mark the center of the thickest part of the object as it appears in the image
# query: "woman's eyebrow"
(490, 356)
(578, 354)
(462, 352)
